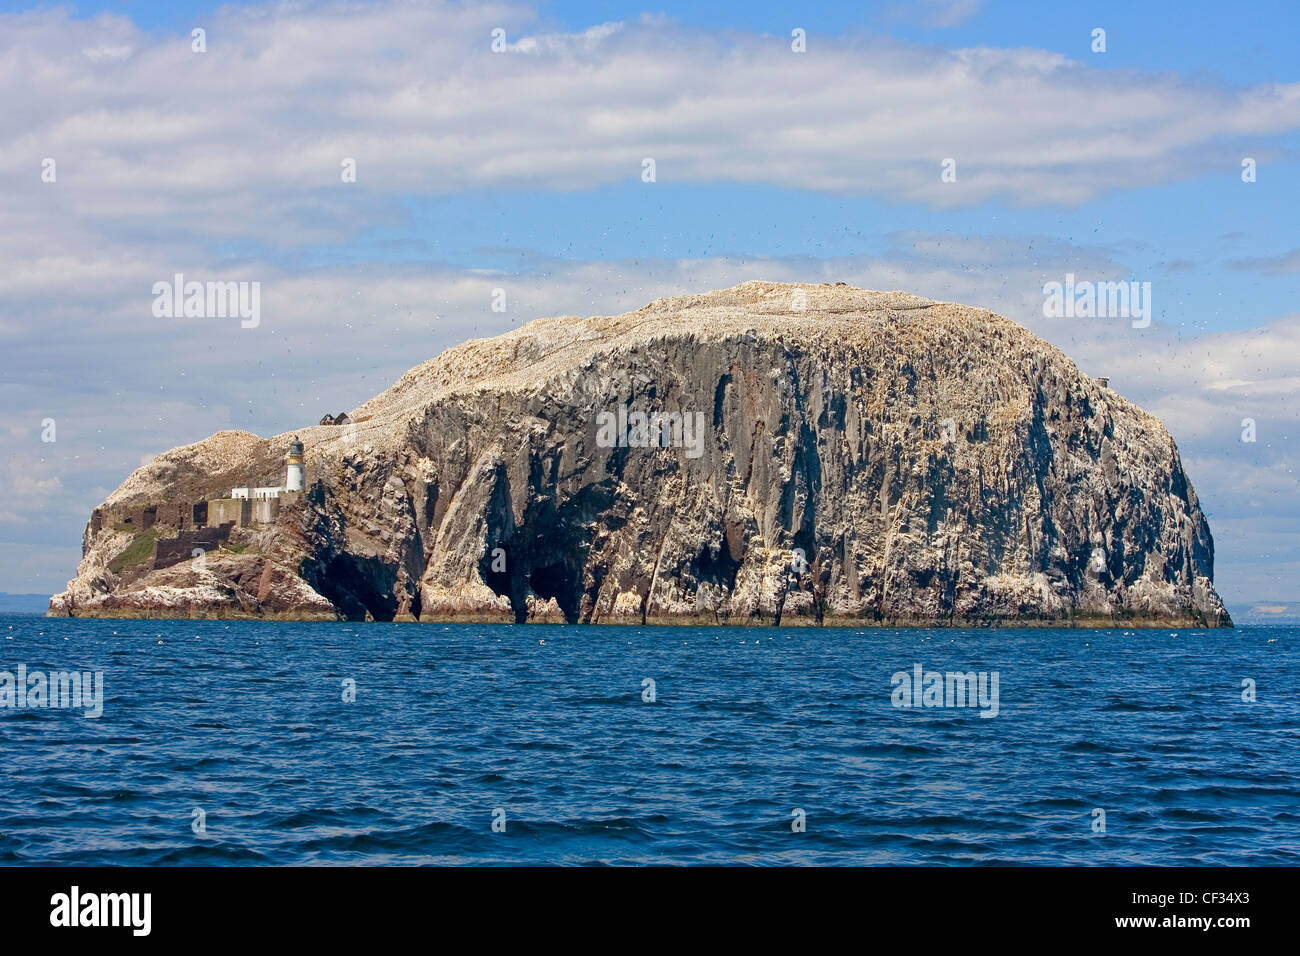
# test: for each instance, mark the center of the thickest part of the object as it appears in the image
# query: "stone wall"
(264, 511)
(169, 551)
(186, 516)
(233, 510)
(179, 515)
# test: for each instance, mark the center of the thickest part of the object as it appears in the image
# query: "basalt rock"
(799, 454)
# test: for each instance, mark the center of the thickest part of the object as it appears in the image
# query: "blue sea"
(232, 743)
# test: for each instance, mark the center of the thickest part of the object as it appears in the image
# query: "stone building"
(204, 525)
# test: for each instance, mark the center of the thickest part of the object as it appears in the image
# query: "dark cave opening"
(718, 569)
(359, 586)
(494, 570)
(558, 581)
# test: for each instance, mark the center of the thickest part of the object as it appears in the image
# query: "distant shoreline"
(23, 603)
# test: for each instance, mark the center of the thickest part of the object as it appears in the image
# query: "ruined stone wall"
(169, 551)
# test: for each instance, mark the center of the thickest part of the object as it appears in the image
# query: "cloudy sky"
(522, 169)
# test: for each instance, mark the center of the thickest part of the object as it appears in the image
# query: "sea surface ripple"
(548, 728)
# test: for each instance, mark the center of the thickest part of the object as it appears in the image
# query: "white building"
(293, 479)
(257, 494)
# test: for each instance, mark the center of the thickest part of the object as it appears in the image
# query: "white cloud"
(101, 54)
(29, 484)
(251, 133)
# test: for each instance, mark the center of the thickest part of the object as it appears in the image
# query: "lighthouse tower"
(293, 481)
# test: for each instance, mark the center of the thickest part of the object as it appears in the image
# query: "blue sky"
(523, 170)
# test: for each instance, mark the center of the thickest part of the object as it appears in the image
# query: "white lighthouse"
(293, 480)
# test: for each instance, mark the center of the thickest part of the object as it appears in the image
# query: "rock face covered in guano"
(770, 453)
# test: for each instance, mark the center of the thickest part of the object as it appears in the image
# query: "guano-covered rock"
(770, 453)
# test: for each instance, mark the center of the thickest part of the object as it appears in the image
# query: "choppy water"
(246, 722)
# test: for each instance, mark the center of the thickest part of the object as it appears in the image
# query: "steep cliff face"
(811, 454)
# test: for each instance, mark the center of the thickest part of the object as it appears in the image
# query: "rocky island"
(771, 453)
